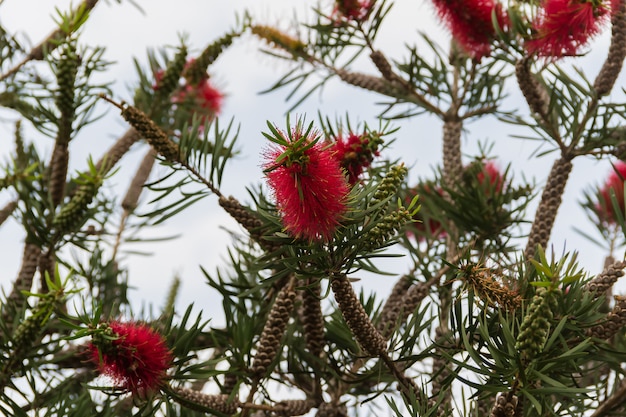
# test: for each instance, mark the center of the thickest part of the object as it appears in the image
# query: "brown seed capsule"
(200, 401)
(293, 407)
(368, 82)
(612, 66)
(356, 318)
(271, 336)
(311, 317)
(615, 320)
(548, 207)
(155, 136)
(535, 94)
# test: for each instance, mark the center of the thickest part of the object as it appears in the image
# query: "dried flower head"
(309, 186)
(355, 153)
(471, 23)
(134, 355)
(563, 26)
(614, 184)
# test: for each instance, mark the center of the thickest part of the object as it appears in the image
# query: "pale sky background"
(241, 72)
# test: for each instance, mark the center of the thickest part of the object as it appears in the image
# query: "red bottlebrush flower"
(137, 360)
(491, 172)
(614, 182)
(563, 26)
(207, 100)
(309, 186)
(158, 76)
(355, 10)
(355, 153)
(471, 24)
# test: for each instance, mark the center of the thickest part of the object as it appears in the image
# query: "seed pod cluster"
(612, 67)
(269, 343)
(536, 324)
(7, 210)
(505, 406)
(392, 307)
(548, 207)
(155, 136)
(389, 184)
(414, 296)
(196, 70)
(66, 72)
(24, 281)
(293, 407)
(27, 333)
(386, 228)
(383, 65)
(28, 329)
(279, 39)
(366, 81)
(535, 94)
(604, 281)
(74, 213)
(129, 203)
(200, 401)
(312, 318)
(615, 320)
(356, 317)
(331, 410)
(248, 220)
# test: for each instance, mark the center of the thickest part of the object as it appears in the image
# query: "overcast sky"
(241, 72)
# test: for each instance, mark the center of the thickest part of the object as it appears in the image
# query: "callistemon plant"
(135, 356)
(471, 23)
(395, 271)
(355, 152)
(563, 27)
(308, 183)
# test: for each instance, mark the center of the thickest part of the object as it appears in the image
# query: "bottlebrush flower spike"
(355, 153)
(134, 355)
(491, 173)
(308, 183)
(471, 24)
(355, 10)
(206, 99)
(613, 184)
(563, 26)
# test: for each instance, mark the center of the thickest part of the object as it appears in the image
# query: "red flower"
(563, 26)
(614, 184)
(309, 186)
(137, 360)
(357, 10)
(206, 99)
(471, 24)
(491, 172)
(354, 153)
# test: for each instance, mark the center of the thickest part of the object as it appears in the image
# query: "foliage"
(484, 322)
